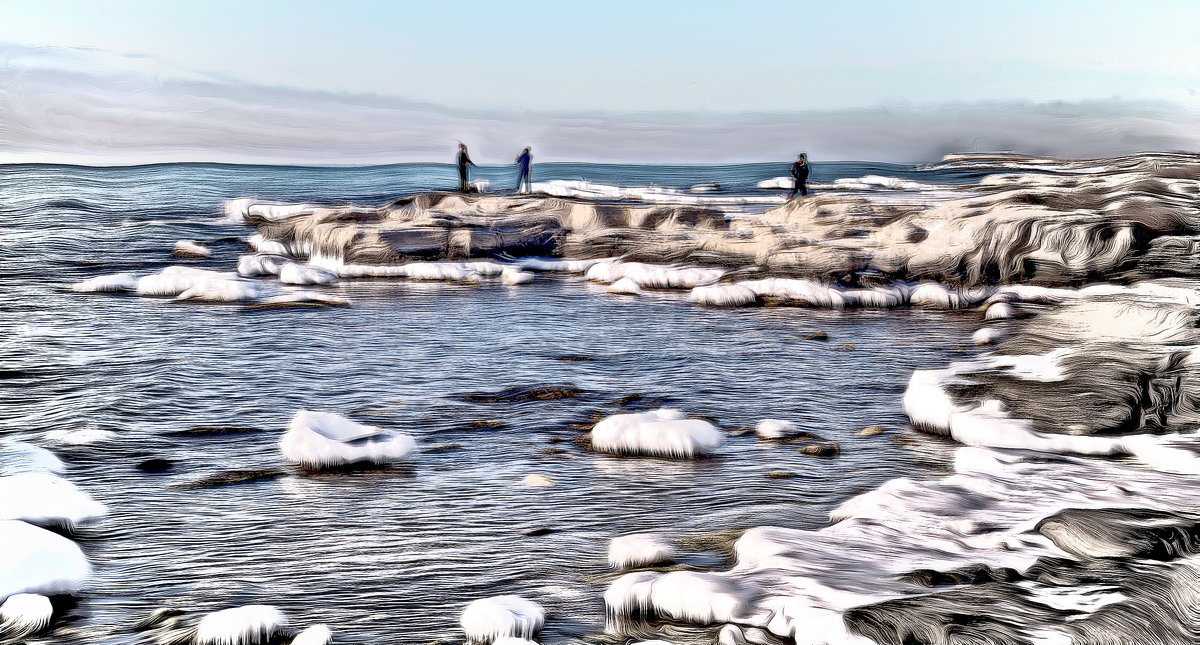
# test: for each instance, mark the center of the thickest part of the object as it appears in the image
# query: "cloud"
(85, 106)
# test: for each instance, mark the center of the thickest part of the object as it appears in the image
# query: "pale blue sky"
(615, 55)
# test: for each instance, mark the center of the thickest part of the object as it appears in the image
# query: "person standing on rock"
(463, 161)
(524, 174)
(800, 175)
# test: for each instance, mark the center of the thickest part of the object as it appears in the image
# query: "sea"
(394, 555)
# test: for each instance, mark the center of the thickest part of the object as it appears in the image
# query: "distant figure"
(463, 161)
(524, 174)
(800, 175)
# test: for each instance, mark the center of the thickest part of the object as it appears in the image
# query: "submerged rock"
(822, 449)
(236, 476)
(522, 393)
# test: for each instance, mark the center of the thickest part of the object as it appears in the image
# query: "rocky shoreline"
(1069, 514)
(1124, 219)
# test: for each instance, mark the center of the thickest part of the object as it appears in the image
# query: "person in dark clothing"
(800, 175)
(463, 161)
(524, 175)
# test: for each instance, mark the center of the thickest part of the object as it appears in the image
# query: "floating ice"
(318, 440)
(775, 429)
(315, 635)
(639, 549)
(255, 265)
(23, 615)
(662, 432)
(514, 276)
(248, 625)
(85, 437)
(625, 286)
(46, 499)
(724, 295)
(293, 273)
(107, 283)
(488, 619)
(190, 249)
(39, 561)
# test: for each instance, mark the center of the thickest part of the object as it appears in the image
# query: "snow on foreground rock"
(660, 433)
(490, 619)
(46, 500)
(23, 615)
(320, 440)
(1044, 532)
(39, 561)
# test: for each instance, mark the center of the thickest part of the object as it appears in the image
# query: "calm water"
(394, 555)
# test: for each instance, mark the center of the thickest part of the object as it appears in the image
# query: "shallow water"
(397, 553)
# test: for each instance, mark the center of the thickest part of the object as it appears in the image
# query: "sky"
(598, 75)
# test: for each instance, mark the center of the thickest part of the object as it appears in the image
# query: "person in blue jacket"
(800, 175)
(524, 174)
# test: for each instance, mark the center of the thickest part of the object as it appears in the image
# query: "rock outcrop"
(1052, 223)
